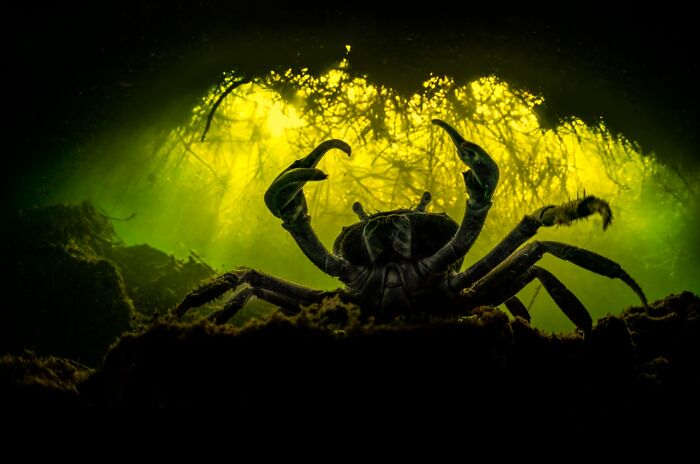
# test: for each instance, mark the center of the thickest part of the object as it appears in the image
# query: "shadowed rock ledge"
(639, 367)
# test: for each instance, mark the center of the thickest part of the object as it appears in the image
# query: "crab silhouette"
(407, 261)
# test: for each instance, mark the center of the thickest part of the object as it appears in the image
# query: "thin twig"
(532, 300)
(199, 158)
(215, 106)
(112, 218)
(674, 168)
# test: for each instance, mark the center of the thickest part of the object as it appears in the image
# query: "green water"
(206, 197)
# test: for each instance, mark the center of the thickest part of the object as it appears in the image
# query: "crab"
(407, 262)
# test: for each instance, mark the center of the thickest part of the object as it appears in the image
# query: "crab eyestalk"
(424, 201)
(284, 197)
(482, 177)
(359, 210)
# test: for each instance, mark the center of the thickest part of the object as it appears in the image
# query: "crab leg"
(562, 296)
(481, 180)
(548, 216)
(517, 308)
(287, 303)
(285, 199)
(523, 259)
(256, 279)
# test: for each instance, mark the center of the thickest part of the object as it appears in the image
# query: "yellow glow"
(262, 127)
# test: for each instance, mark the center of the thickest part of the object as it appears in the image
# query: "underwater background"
(140, 149)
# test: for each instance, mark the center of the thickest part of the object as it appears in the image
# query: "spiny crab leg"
(576, 209)
(282, 197)
(482, 177)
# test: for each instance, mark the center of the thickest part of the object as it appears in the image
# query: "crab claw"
(284, 198)
(482, 178)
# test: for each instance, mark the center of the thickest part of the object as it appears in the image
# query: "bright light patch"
(208, 195)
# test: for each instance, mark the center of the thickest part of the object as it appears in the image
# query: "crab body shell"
(389, 246)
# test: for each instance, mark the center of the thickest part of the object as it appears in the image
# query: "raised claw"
(482, 177)
(284, 197)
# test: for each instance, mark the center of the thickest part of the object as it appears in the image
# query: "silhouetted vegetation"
(73, 287)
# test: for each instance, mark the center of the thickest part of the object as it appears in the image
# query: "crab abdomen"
(395, 288)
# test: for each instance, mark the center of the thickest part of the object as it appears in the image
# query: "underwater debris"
(32, 381)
